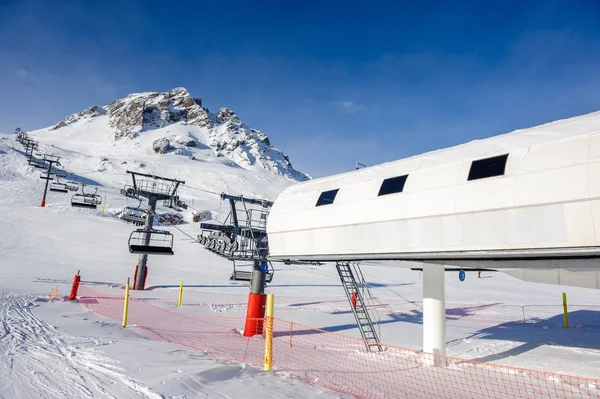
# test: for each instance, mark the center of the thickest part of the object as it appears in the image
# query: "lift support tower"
(49, 160)
(147, 240)
(243, 237)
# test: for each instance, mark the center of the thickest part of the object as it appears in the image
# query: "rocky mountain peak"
(226, 115)
(128, 117)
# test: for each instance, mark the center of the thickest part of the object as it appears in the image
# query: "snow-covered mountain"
(177, 122)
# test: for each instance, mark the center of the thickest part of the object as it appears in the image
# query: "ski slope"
(61, 349)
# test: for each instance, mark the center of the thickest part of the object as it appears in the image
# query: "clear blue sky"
(331, 82)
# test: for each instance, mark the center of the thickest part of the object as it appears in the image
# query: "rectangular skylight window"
(392, 185)
(327, 197)
(488, 167)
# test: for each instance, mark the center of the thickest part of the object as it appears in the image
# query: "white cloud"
(351, 106)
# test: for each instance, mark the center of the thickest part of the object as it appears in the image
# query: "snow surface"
(61, 349)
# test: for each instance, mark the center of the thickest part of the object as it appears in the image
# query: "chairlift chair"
(59, 173)
(86, 200)
(135, 215)
(38, 164)
(153, 242)
(58, 187)
(181, 204)
(244, 273)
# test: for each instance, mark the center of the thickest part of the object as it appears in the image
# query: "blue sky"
(331, 82)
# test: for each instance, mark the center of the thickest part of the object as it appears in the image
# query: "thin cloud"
(350, 106)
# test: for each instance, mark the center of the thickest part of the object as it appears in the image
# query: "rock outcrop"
(186, 141)
(161, 146)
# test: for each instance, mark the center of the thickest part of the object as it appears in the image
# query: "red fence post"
(75, 287)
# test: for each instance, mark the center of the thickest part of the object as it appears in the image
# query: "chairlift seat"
(59, 187)
(86, 200)
(238, 275)
(241, 276)
(150, 250)
(133, 215)
(92, 199)
(83, 205)
(153, 242)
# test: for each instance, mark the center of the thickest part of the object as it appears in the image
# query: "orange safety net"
(342, 363)
(218, 336)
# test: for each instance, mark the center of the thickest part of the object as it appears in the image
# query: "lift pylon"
(149, 241)
(50, 160)
(243, 237)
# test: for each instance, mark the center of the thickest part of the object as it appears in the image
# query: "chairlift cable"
(173, 225)
(201, 189)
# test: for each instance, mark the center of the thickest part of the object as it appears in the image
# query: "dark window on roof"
(392, 185)
(488, 167)
(327, 197)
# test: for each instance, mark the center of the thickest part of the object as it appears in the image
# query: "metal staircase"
(362, 298)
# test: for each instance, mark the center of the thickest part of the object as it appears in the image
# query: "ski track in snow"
(40, 361)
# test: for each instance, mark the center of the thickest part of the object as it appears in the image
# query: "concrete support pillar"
(434, 310)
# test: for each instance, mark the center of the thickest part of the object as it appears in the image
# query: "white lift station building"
(526, 203)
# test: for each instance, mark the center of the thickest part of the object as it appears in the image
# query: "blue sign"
(264, 267)
(462, 275)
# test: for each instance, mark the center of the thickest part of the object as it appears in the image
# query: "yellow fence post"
(566, 312)
(126, 305)
(180, 294)
(104, 206)
(269, 333)
(192, 202)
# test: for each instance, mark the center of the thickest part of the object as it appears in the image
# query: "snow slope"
(61, 349)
